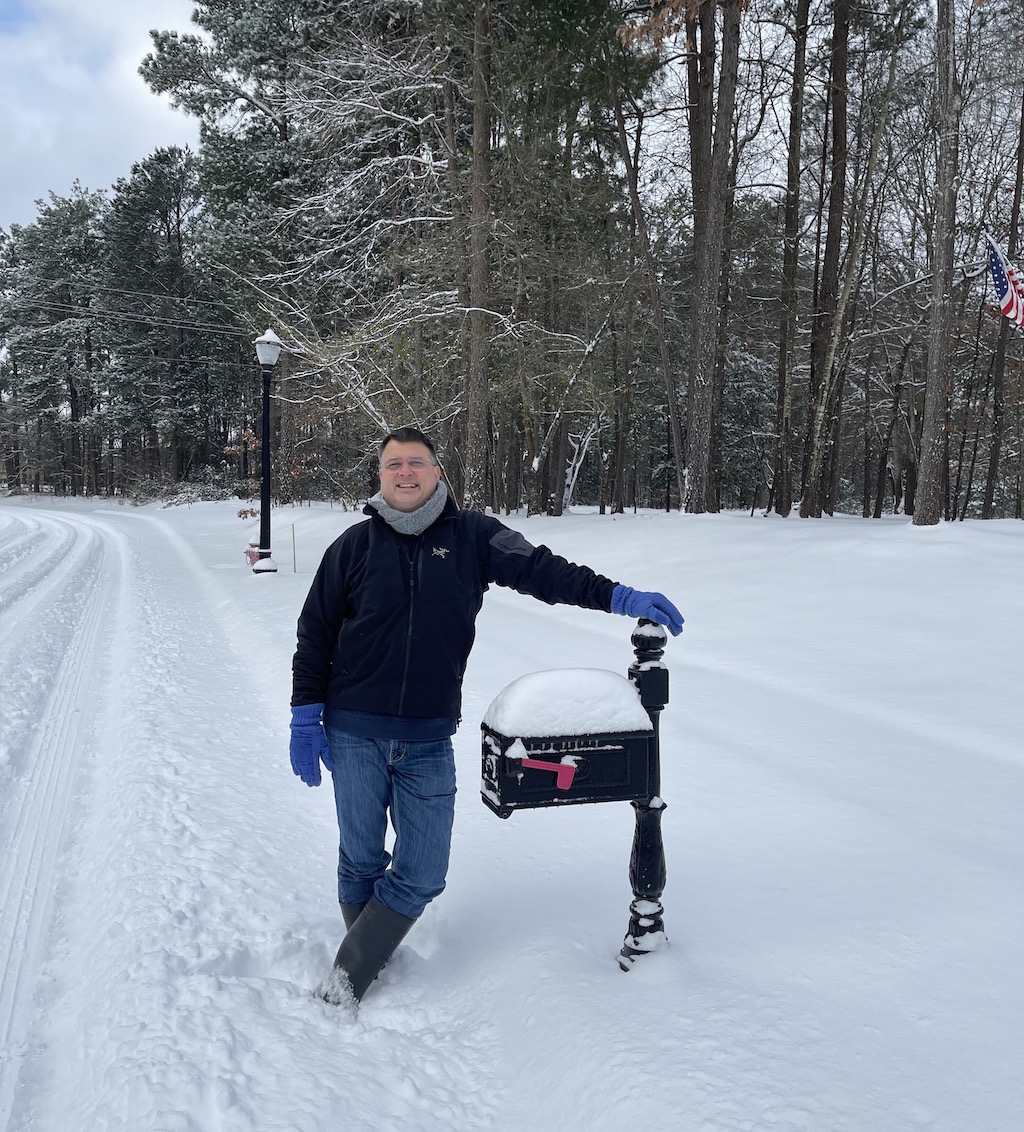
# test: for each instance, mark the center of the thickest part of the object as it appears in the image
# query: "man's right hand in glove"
(652, 606)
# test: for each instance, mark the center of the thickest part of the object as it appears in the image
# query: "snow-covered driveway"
(57, 581)
(153, 812)
(844, 780)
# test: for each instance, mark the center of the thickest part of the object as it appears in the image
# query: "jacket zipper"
(414, 554)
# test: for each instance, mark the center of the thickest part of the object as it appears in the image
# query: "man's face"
(408, 475)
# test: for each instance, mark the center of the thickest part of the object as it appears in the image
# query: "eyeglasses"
(416, 464)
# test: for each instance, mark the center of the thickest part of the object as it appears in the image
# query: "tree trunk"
(934, 471)
(657, 313)
(709, 235)
(476, 448)
(74, 449)
(782, 481)
(12, 448)
(998, 405)
(833, 300)
(885, 446)
(822, 333)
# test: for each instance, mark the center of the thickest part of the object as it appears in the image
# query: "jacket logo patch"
(439, 551)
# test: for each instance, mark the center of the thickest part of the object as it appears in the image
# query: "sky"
(74, 105)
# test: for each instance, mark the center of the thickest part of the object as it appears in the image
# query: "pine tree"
(48, 303)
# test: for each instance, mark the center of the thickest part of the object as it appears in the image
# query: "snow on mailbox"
(571, 735)
(586, 735)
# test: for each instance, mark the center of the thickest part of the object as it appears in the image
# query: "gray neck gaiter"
(411, 522)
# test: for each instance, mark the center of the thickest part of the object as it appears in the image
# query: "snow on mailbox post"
(579, 735)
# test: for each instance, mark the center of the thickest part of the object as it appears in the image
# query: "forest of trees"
(689, 254)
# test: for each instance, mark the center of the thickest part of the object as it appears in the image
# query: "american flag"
(1009, 289)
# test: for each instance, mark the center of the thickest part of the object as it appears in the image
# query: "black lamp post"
(268, 350)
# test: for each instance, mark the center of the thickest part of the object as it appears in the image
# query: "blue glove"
(655, 607)
(309, 746)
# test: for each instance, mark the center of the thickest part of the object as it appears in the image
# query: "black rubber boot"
(369, 944)
(350, 913)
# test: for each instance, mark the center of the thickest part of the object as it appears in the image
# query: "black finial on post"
(647, 873)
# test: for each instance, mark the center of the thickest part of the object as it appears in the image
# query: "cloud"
(74, 105)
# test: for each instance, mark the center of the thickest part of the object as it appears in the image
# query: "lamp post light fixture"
(268, 350)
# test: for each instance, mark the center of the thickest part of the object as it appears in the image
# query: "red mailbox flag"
(564, 772)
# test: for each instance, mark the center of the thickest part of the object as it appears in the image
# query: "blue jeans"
(416, 782)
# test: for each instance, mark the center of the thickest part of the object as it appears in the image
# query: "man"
(383, 640)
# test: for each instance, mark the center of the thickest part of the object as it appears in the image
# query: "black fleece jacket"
(388, 624)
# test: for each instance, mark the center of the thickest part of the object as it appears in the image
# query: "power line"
(133, 294)
(127, 356)
(89, 313)
(128, 353)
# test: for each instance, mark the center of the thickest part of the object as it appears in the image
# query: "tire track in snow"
(33, 563)
(19, 537)
(56, 586)
(202, 912)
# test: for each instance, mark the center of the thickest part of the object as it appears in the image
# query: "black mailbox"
(556, 770)
(603, 755)
(585, 735)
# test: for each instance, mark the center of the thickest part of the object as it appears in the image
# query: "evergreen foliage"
(337, 192)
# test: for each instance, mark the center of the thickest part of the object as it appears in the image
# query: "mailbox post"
(524, 765)
(647, 873)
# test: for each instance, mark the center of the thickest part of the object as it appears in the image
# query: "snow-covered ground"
(842, 763)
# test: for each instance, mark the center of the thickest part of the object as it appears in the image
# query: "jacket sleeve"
(534, 570)
(325, 609)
